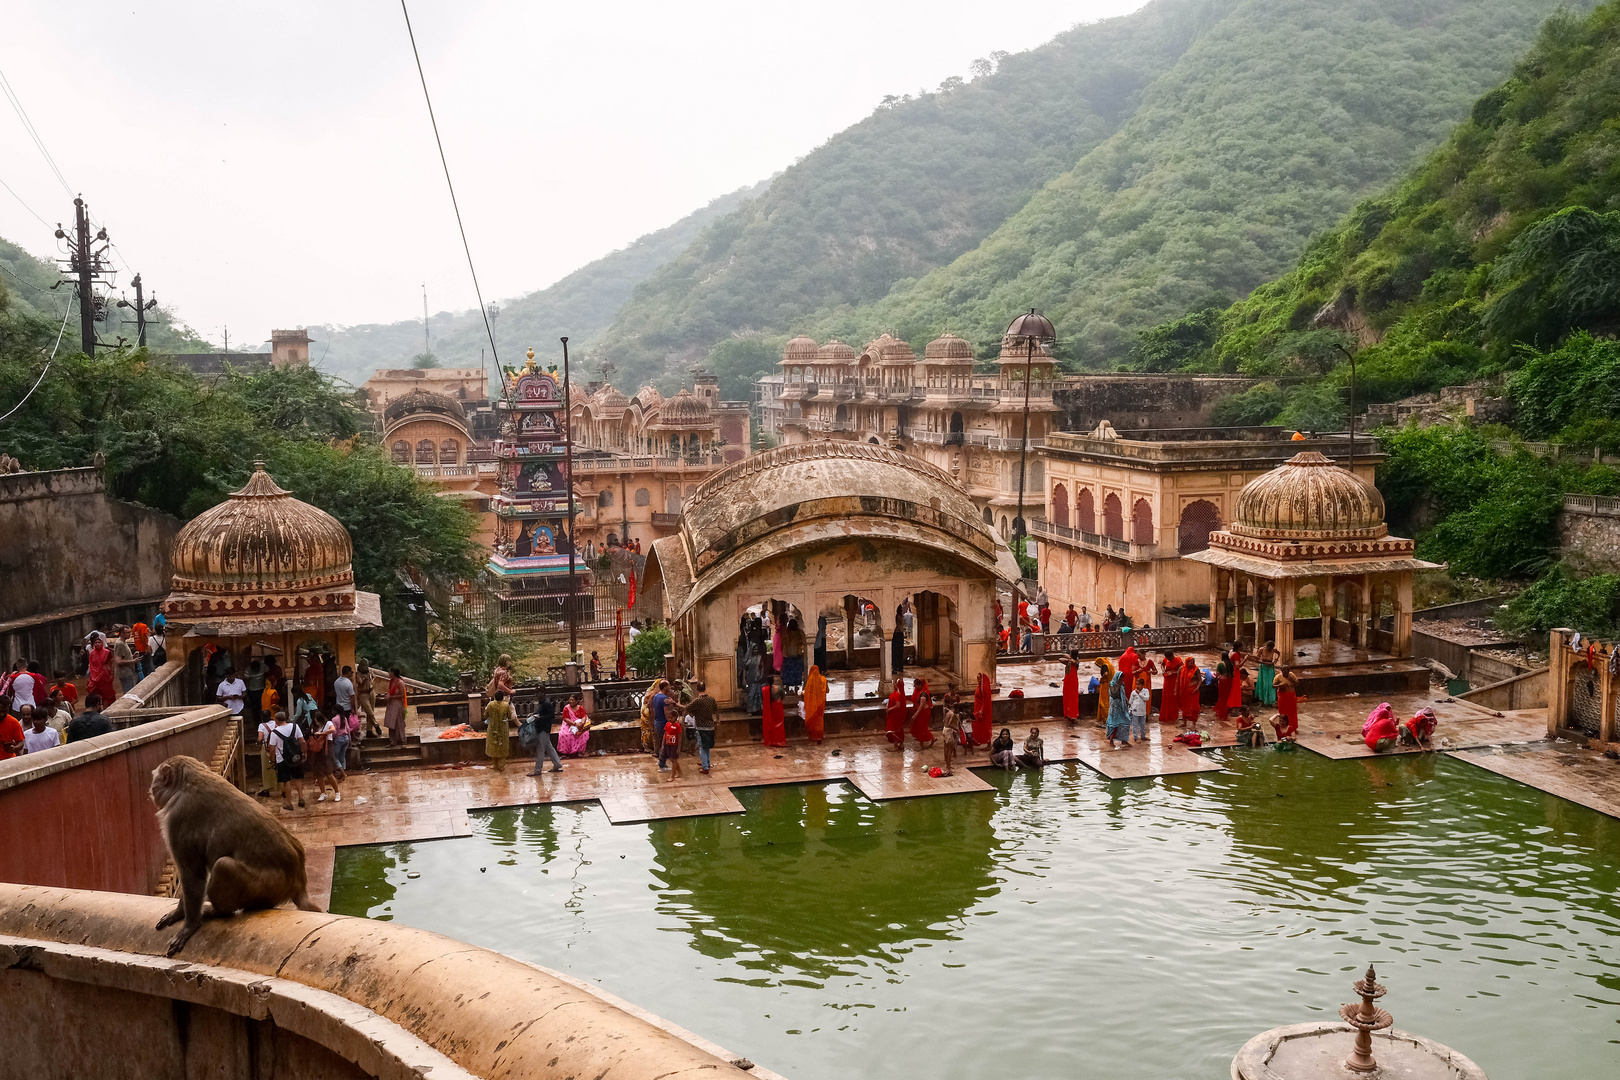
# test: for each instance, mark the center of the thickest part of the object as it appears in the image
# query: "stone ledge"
(30, 767)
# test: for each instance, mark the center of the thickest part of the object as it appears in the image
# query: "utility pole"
(427, 347)
(568, 491)
(142, 306)
(227, 338)
(86, 266)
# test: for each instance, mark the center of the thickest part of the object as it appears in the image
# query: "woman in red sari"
(1234, 696)
(981, 712)
(1192, 681)
(1071, 691)
(1170, 695)
(815, 705)
(922, 715)
(894, 716)
(101, 672)
(774, 724)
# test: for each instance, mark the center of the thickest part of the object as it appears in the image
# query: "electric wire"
(482, 310)
(48, 363)
(28, 125)
(24, 205)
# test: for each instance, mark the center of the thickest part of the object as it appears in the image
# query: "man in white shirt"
(26, 687)
(635, 631)
(38, 737)
(233, 692)
(1085, 618)
(343, 690)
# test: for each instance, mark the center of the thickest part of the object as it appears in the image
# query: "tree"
(646, 653)
(1561, 272)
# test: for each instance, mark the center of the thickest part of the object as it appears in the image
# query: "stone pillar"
(885, 669)
(1217, 604)
(851, 608)
(1325, 601)
(1559, 659)
(1606, 681)
(1403, 615)
(1286, 591)
(1363, 605)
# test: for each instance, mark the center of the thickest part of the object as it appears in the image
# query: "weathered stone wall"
(1140, 401)
(1590, 538)
(67, 545)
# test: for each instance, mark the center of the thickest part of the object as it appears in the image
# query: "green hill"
(580, 305)
(909, 188)
(1119, 175)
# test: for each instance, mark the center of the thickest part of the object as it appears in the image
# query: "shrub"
(646, 653)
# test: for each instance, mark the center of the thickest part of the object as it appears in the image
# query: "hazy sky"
(271, 164)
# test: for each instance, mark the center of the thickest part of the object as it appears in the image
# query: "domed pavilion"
(1310, 523)
(263, 572)
(839, 530)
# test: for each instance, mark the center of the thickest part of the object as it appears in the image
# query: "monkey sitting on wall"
(227, 849)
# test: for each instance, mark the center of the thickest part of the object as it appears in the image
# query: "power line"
(445, 162)
(24, 205)
(28, 125)
(49, 361)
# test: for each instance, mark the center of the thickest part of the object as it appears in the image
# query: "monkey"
(227, 849)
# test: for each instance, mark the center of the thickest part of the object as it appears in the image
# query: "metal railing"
(1107, 545)
(1103, 642)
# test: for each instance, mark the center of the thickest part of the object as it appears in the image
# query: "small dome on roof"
(836, 350)
(1308, 497)
(610, 398)
(685, 410)
(800, 348)
(263, 546)
(420, 400)
(885, 348)
(948, 347)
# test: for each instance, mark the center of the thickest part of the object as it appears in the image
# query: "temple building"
(638, 460)
(429, 432)
(529, 561)
(1312, 527)
(970, 427)
(263, 573)
(1122, 511)
(840, 530)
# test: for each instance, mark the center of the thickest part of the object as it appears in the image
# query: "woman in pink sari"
(575, 731)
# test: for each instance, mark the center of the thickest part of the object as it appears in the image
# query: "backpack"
(316, 742)
(292, 752)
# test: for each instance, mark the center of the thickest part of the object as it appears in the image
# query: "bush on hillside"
(1590, 605)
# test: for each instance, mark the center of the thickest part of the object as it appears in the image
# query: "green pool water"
(1061, 925)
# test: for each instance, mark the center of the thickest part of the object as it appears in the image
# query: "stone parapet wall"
(293, 993)
(1589, 533)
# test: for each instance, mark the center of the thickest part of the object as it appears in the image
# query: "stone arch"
(424, 451)
(1199, 518)
(1113, 517)
(1142, 522)
(672, 499)
(989, 517)
(643, 497)
(1006, 527)
(1085, 511)
(449, 450)
(956, 423)
(1060, 505)
(402, 451)
(604, 498)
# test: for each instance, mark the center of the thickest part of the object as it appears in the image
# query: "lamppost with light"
(1032, 330)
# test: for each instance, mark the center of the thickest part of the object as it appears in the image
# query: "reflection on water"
(1062, 925)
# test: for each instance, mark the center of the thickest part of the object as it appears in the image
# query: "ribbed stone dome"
(836, 350)
(683, 408)
(888, 349)
(1308, 497)
(262, 544)
(800, 348)
(948, 347)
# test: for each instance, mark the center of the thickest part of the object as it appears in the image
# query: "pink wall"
(80, 817)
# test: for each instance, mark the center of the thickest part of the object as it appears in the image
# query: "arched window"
(956, 423)
(1085, 512)
(1006, 531)
(1142, 522)
(643, 497)
(424, 452)
(1060, 505)
(402, 451)
(605, 498)
(1113, 517)
(448, 450)
(1198, 520)
(672, 500)
(989, 517)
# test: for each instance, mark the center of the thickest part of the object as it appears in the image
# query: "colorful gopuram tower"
(530, 558)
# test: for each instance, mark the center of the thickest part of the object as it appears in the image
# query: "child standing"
(952, 736)
(1141, 701)
(671, 753)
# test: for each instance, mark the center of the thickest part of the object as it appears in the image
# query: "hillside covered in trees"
(580, 305)
(1123, 173)
(1497, 258)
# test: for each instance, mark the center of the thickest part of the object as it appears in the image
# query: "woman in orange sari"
(775, 721)
(981, 712)
(894, 716)
(815, 705)
(922, 714)
(1105, 672)
(315, 679)
(1192, 680)
(1170, 693)
(1071, 690)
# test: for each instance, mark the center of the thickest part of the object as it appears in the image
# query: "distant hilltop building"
(288, 348)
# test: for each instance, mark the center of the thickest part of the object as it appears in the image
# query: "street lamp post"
(1031, 330)
(568, 492)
